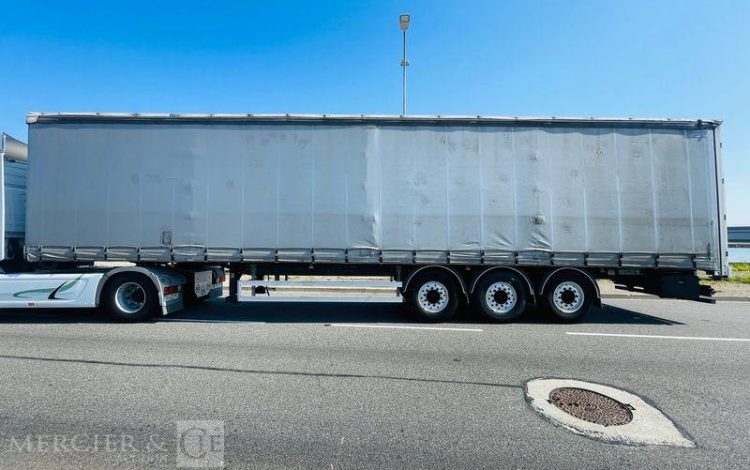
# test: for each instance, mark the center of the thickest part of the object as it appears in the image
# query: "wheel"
(500, 296)
(433, 296)
(569, 296)
(130, 297)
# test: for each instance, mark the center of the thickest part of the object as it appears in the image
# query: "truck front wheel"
(130, 298)
(433, 296)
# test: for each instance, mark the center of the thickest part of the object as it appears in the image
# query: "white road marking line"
(199, 320)
(653, 298)
(622, 335)
(403, 327)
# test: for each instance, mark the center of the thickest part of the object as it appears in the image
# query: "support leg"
(234, 281)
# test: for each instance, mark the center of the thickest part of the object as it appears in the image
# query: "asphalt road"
(314, 386)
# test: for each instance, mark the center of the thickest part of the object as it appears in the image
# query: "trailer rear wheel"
(130, 298)
(500, 296)
(569, 296)
(433, 296)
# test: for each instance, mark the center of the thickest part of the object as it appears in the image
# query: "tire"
(130, 298)
(433, 296)
(500, 296)
(569, 296)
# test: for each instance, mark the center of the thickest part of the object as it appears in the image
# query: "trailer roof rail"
(37, 117)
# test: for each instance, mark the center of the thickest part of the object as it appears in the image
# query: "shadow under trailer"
(140, 214)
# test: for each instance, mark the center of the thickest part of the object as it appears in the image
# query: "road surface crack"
(260, 371)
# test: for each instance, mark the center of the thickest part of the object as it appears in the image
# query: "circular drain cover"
(602, 412)
(591, 406)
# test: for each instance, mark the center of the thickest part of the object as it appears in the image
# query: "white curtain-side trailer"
(496, 212)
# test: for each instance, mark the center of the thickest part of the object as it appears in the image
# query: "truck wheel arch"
(459, 279)
(593, 282)
(149, 273)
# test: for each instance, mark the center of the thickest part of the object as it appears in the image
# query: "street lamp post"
(403, 21)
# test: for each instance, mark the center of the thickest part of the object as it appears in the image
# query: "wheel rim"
(130, 297)
(433, 297)
(568, 297)
(501, 297)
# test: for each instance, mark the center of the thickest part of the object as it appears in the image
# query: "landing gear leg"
(234, 281)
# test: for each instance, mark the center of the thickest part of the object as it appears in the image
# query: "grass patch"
(741, 278)
(740, 273)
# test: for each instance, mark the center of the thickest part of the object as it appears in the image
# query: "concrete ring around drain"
(648, 425)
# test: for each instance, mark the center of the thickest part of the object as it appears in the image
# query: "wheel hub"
(433, 297)
(130, 297)
(568, 297)
(501, 297)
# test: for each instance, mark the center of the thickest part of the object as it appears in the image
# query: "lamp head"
(403, 21)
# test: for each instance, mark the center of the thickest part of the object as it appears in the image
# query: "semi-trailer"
(495, 212)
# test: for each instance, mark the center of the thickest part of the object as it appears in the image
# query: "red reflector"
(171, 290)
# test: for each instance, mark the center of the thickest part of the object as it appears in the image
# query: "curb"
(629, 296)
(732, 299)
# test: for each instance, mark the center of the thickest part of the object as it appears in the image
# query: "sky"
(679, 59)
